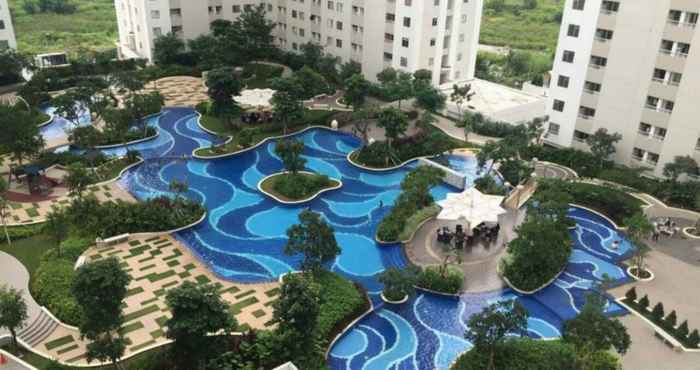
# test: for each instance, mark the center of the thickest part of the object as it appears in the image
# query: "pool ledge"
(301, 201)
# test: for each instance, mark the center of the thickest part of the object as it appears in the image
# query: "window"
(573, 30)
(558, 105)
(563, 81)
(553, 128)
(580, 136)
(155, 14)
(404, 42)
(644, 128)
(586, 112)
(638, 154)
(591, 87)
(407, 22)
(609, 7)
(568, 56)
(579, 4)
(603, 35)
(404, 62)
(598, 62)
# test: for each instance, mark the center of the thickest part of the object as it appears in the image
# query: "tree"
(644, 302)
(179, 188)
(430, 98)
(394, 122)
(13, 311)
(349, 69)
(167, 49)
(639, 228)
(252, 33)
(361, 121)
(21, 137)
(290, 150)
(461, 95)
(602, 144)
(56, 226)
(671, 320)
(313, 238)
(4, 209)
(286, 101)
(398, 283)
(69, 105)
(356, 90)
(631, 294)
(127, 82)
(99, 288)
(591, 331)
(11, 65)
(658, 311)
(694, 339)
(296, 315)
(223, 86)
(680, 165)
(418, 183)
(197, 311)
(683, 330)
(77, 180)
(141, 106)
(489, 328)
(488, 154)
(309, 82)
(93, 94)
(401, 87)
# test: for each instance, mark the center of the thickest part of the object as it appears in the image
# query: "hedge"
(521, 354)
(341, 302)
(51, 286)
(431, 279)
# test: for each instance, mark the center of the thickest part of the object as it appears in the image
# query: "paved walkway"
(479, 262)
(180, 91)
(156, 264)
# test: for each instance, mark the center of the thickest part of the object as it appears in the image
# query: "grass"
(270, 186)
(416, 220)
(111, 169)
(59, 342)
(536, 29)
(28, 251)
(93, 27)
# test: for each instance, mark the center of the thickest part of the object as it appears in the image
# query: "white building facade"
(438, 35)
(632, 67)
(7, 32)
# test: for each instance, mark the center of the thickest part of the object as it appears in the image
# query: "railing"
(678, 23)
(585, 116)
(595, 66)
(589, 91)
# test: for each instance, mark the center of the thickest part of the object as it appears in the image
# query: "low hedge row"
(451, 282)
(521, 354)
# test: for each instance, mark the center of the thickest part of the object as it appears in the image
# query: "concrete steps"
(38, 330)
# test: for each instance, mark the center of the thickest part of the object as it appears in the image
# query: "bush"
(613, 203)
(488, 185)
(631, 294)
(671, 320)
(21, 232)
(430, 278)
(341, 302)
(522, 354)
(644, 302)
(693, 339)
(657, 313)
(682, 331)
(71, 249)
(300, 186)
(51, 285)
(425, 143)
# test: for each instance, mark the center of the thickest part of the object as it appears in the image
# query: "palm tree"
(638, 229)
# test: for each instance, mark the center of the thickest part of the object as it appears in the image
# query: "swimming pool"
(59, 127)
(243, 236)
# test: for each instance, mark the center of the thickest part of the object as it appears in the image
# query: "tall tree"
(602, 143)
(141, 106)
(313, 238)
(197, 311)
(252, 32)
(13, 311)
(680, 165)
(418, 183)
(638, 229)
(20, 136)
(394, 122)
(489, 328)
(430, 98)
(296, 315)
(223, 86)
(77, 180)
(167, 49)
(461, 95)
(99, 288)
(398, 283)
(56, 226)
(362, 121)
(356, 90)
(286, 101)
(11, 65)
(290, 150)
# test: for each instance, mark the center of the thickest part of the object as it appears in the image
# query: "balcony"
(678, 54)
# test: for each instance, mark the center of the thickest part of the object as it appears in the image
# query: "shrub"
(341, 302)
(412, 114)
(657, 313)
(431, 279)
(644, 303)
(521, 354)
(694, 339)
(51, 285)
(613, 203)
(488, 185)
(301, 185)
(683, 330)
(71, 249)
(671, 320)
(631, 295)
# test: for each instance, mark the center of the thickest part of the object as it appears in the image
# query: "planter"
(642, 279)
(338, 184)
(389, 301)
(691, 232)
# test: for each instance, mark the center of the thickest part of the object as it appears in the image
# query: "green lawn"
(92, 27)
(29, 250)
(536, 29)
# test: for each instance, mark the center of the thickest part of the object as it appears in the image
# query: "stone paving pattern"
(157, 264)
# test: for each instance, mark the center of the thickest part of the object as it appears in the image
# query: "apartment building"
(7, 32)
(632, 67)
(438, 35)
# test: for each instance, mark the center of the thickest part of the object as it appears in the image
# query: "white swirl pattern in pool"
(243, 236)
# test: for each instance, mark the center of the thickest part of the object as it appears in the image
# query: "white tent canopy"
(471, 206)
(255, 98)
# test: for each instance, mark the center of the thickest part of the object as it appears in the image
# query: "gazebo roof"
(471, 206)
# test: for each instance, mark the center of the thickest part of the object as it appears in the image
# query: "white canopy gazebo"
(258, 98)
(471, 206)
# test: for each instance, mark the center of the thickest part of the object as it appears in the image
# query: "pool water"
(60, 127)
(243, 236)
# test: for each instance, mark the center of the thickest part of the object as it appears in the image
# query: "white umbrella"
(472, 206)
